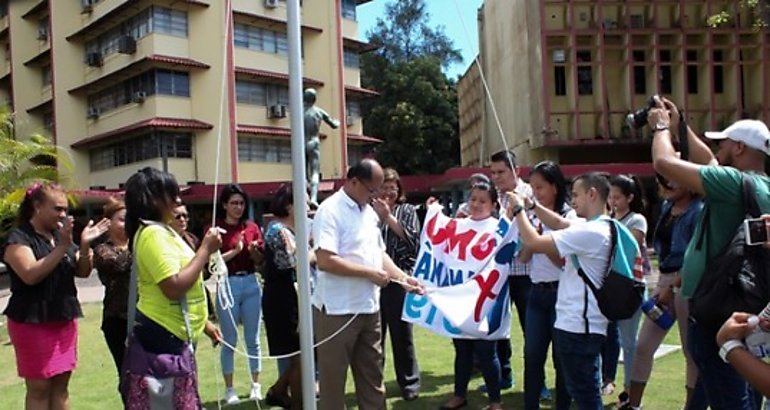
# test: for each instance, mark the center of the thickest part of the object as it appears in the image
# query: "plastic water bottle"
(758, 341)
(658, 314)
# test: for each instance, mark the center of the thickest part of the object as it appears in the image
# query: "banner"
(464, 265)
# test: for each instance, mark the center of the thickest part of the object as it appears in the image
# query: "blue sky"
(442, 13)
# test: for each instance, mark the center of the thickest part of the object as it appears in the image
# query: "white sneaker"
(231, 397)
(256, 392)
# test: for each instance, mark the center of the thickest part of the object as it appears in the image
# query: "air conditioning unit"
(94, 59)
(93, 112)
(87, 5)
(139, 97)
(42, 33)
(277, 111)
(127, 45)
(271, 4)
(350, 120)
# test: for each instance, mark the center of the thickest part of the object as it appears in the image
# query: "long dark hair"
(36, 193)
(227, 192)
(630, 185)
(552, 174)
(279, 205)
(144, 192)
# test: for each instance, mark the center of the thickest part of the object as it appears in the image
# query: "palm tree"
(22, 162)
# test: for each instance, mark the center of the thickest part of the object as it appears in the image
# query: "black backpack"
(736, 280)
(619, 297)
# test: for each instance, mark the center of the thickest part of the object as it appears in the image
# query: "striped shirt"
(403, 251)
(523, 189)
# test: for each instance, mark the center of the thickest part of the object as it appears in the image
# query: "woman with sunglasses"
(675, 227)
(241, 243)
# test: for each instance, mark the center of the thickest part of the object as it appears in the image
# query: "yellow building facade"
(123, 84)
(565, 74)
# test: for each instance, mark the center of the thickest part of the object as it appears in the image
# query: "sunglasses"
(182, 216)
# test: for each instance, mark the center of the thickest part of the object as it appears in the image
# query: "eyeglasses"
(371, 190)
(181, 216)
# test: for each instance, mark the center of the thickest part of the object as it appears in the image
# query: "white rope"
(487, 93)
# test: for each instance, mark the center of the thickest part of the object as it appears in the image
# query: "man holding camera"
(742, 148)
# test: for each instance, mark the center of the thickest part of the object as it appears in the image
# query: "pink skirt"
(44, 350)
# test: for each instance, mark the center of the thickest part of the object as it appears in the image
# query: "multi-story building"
(123, 84)
(564, 74)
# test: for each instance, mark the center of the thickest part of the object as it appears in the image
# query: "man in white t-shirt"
(580, 327)
(352, 267)
(503, 171)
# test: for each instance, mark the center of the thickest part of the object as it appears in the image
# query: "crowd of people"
(364, 243)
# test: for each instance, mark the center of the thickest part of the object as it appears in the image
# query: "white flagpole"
(299, 192)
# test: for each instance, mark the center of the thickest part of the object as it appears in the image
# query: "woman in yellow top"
(167, 269)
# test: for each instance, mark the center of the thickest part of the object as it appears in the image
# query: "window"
(48, 121)
(351, 58)
(349, 9)
(584, 73)
(640, 73)
(168, 21)
(142, 147)
(560, 80)
(259, 149)
(155, 19)
(665, 79)
(163, 82)
(353, 108)
(718, 73)
(248, 92)
(692, 72)
(260, 39)
(356, 152)
(47, 76)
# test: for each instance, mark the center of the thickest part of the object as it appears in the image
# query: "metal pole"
(298, 191)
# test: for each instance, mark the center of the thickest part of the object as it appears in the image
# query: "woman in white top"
(550, 190)
(626, 201)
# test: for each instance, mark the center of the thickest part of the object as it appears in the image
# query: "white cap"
(753, 133)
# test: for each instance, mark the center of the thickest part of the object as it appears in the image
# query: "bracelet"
(531, 208)
(517, 210)
(729, 346)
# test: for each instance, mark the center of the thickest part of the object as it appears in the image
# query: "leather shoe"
(411, 395)
(461, 405)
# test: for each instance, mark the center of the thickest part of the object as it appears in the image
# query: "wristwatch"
(728, 346)
(660, 127)
(517, 209)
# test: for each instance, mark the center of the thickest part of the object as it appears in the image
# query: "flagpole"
(299, 193)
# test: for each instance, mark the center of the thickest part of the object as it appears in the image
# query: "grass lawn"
(94, 382)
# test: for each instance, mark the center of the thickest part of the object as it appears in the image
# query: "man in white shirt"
(352, 267)
(580, 327)
(504, 173)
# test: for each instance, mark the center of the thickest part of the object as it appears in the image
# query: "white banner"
(464, 265)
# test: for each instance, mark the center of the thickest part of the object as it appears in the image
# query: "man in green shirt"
(742, 148)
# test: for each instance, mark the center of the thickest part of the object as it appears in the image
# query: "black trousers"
(114, 329)
(402, 343)
(519, 287)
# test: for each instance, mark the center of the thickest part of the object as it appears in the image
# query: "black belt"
(547, 285)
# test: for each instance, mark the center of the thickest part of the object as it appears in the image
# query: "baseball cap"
(753, 133)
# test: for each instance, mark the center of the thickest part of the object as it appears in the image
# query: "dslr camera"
(638, 119)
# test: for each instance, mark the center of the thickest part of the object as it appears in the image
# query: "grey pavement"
(90, 290)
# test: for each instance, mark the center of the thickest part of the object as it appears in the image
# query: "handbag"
(150, 381)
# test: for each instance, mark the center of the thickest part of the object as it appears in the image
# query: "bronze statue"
(313, 118)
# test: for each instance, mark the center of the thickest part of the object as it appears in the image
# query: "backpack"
(620, 295)
(738, 278)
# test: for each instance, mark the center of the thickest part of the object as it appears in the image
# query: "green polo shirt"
(724, 196)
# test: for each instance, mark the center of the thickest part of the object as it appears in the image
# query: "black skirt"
(280, 311)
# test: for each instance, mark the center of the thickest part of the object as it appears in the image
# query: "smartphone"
(755, 231)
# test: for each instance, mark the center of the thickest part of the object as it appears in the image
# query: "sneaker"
(231, 397)
(256, 392)
(545, 394)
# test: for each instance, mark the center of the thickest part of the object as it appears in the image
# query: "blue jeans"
(724, 387)
(247, 309)
(488, 363)
(620, 334)
(579, 356)
(541, 314)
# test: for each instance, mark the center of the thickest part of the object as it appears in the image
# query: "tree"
(758, 9)
(21, 163)
(416, 112)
